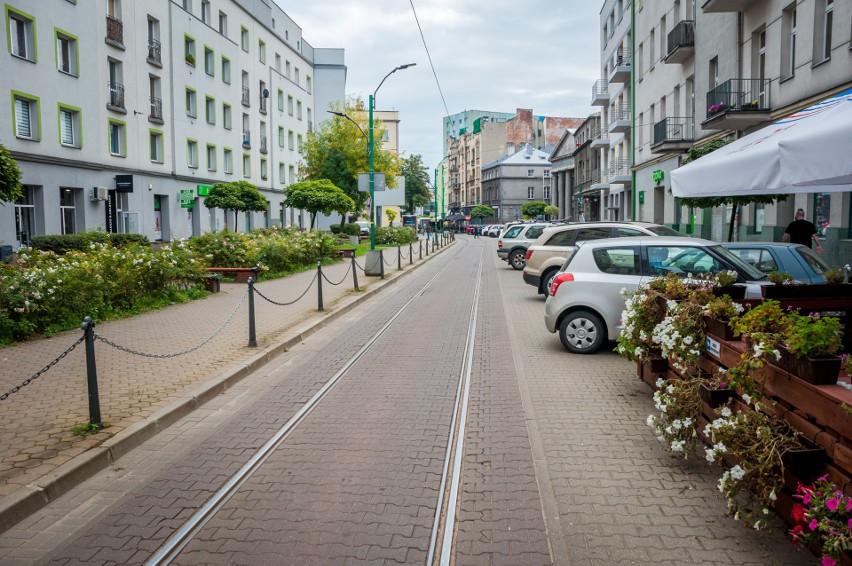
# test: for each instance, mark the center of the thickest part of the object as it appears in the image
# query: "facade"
(726, 69)
(588, 195)
(511, 181)
(457, 124)
(562, 174)
(126, 112)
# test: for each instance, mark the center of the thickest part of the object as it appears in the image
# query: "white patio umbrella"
(806, 152)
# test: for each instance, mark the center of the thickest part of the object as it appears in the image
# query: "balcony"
(247, 139)
(116, 97)
(601, 140)
(619, 66)
(114, 32)
(263, 147)
(673, 135)
(619, 120)
(600, 93)
(156, 114)
(726, 5)
(738, 104)
(619, 172)
(681, 43)
(246, 100)
(598, 182)
(154, 52)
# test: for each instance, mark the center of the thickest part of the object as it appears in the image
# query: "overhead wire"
(429, 55)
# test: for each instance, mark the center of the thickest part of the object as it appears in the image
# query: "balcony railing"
(674, 130)
(156, 108)
(263, 148)
(739, 95)
(246, 100)
(619, 168)
(116, 95)
(682, 38)
(154, 51)
(600, 92)
(115, 30)
(619, 112)
(247, 138)
(620, 59)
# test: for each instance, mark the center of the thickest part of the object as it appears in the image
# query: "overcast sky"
(496, 55)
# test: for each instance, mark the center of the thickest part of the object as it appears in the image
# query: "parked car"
(494, 230)
(585, 302)
(801, 262)
(365, 227)
(546, 255)
(513, 243)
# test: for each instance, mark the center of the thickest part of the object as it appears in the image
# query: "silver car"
(585, 304)
(514, 241)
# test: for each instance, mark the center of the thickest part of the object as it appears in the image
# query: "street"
(436, 422)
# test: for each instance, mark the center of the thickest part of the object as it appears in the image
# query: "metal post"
(252, 333)
(372, 177)
(398, 257)
(354, 271)
(92, 373)
(410, 254)
(427, 248)
(420, 245)
(382, 263)
(319, 287)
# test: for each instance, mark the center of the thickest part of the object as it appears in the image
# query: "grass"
(88, 428)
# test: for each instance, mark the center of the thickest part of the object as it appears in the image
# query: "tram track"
(441, 540)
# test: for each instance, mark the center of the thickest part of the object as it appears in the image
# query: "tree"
(481, 211)
(551, 211)
(337, 151)
(239, 196)
(391, 214)
(416, 175)
(318, 196)
(533, 209)
(10, 177)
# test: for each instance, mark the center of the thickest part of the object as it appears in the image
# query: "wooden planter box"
(719, 328)
(714, 397)
(212, 284)
(819, 371)
(736, 293)
(806, 463)
(805, 291)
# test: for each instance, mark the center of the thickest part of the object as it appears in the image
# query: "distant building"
(457, 124)
(562, 174)
(511, 181)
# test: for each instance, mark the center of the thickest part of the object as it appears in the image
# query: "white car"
(585, 302)
(365, 227)
(494, 230)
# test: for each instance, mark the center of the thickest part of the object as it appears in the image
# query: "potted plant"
(811, 341)
(715, 391)
(723, 284)
(679, 406)
(718, 313)
(212, 282)
(823, 518)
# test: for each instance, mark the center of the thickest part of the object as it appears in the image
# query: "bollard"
(398, 257)
(410, 254)
(427, 248)
(420, 245)
(252, 333)
(319, 287)
(88, 328)
(354, 272)
(382, 263)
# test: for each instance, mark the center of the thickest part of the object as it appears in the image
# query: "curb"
(30, 498)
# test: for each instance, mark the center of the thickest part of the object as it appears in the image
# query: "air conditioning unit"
(99, 193)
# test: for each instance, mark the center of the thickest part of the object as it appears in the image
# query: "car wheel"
(547, 281)
(517, 259)
(582, 332)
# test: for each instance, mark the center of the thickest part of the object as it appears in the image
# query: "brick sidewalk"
(38, 418)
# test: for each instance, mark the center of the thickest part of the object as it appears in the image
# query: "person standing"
(800, 231)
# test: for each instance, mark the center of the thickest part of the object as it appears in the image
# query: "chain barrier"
(345, 275)
(358, 265)
(287, 304)
(127, 350)
(405, 257)
(26, 382)
(386, 262)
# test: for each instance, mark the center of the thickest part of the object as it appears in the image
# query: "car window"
(813, 260)
(617, 261)
(664, 231)
(747, 271)
(513, 232)
(756, 257)
(534, 232)
(625, 232)
(682, 260)
(563, 238)
(586, 234)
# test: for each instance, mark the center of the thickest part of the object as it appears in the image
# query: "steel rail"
(173, 546)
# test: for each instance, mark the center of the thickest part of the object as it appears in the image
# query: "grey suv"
(514, 241)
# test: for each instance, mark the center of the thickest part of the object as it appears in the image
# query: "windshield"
(751, 273)
(663, 231)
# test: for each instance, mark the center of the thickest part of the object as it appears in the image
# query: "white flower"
(663, 408)
(772, 497)
(738, 307)
(687, 421)
(737, 473)
(777, 355)
(677, 425)
(650, 420)
(726, 412)
(670, 389)
(747, 398)
(688, 340)
(709, 455)
(660, 382)
(677, 445)
(720, 447)
(671, 305)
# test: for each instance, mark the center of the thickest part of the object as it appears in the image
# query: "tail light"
(559, 280)
(528, 255)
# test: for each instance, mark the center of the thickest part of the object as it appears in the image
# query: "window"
(246, 131)
(223, 23)
(69, 126)
(714, 72)
(637, 61)
(651, 48)
(21, 38)
(822, 210)
(264, 173)
(191, 109)
(226, 115)
(299, 109)
(280, 136)
(211, 157)
(823, 36)
(67, 209)
(192, 153)
(290, 105)
(27, 116)
(189, 50)
(187, 5)
(663, 38)
(205, 12)
(682, 260)
(246, 166)
(628, 233)
(299, 143)
(116, 88)
(546, 174)
(281, 173)
(291, 174)
(264, 95)
(226, 70)
(278, 62)
(210, 109)
(209, 61)
(25, 222)
(244, 39)
(261, 51)
(546, 193)
(617, 261)
(290, 138)
(534, 232)
(308, 84)
(530, 173)
(228, 159)
(156, 112)
(66, 53)
(563, 238)
(117, 138)
(587, 234)
(530, 193)
(287, 69)
(155, 138)
(788, 42)
(280, 100)
(758, 258)
(296, 76)
(154, 47)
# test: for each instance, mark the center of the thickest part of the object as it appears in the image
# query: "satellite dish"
(266, 93)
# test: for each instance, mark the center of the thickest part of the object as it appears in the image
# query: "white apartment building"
(125, 113)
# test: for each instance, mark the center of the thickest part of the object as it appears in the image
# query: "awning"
(805, 152)
(455, 217)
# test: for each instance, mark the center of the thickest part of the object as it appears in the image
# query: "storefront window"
(759, 211)
(822, 208)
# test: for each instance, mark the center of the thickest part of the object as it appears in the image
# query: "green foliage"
(87, 428)
(10, 177)
(391, 214)
(812, 336)
(393, 236)
(416, 175)
(533, 209)
(318, 196)
(551, 211)
(335, 228)
(352, 230)
(62, 243)
(482, 211)
(239, 196)
(766, 318)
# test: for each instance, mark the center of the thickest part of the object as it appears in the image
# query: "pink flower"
(831, 504)
(849, 524)
(828, 561)
(813, 524)
(806, 498)
(849, 505)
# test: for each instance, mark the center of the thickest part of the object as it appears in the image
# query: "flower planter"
(798, 291)
(212, 284)
(714, 397)
(819, 371)
(347, 254)
(735, 292)
(656, 365)
(806, 463)
(719, 328)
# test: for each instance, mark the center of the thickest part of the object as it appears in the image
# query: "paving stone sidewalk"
(37, 419)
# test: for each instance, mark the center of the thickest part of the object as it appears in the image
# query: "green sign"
(658, 175)
(641, 197)
(204, 190)
(187, 199)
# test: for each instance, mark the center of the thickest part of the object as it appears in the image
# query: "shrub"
(64, 243)
(395, 236)
(352, 229)
(335, 228)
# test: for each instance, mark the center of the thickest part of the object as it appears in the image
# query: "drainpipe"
(635, 192)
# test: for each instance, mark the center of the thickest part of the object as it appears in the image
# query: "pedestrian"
(475, 232)
(800, 231)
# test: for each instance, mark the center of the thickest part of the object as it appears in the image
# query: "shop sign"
(658, 175)
(187, 199)
(203, 190)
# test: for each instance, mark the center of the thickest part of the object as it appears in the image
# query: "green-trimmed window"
(291, 144)
(226, 115)
(261, 51)
(282, 172)
(117, 134)
(189, 49)
(290, 105)
(191, 103)
(246, 165)
(21, 40)
(67, 56)
(211, 157)
(209, 61)
(26, 116)
(264, 169)
(280, 100)
(226, 70)
(280, 136)
(210, 109)
(70, 134)
(192, 153)
(155, 139)
(244, 39)
(228, 160)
